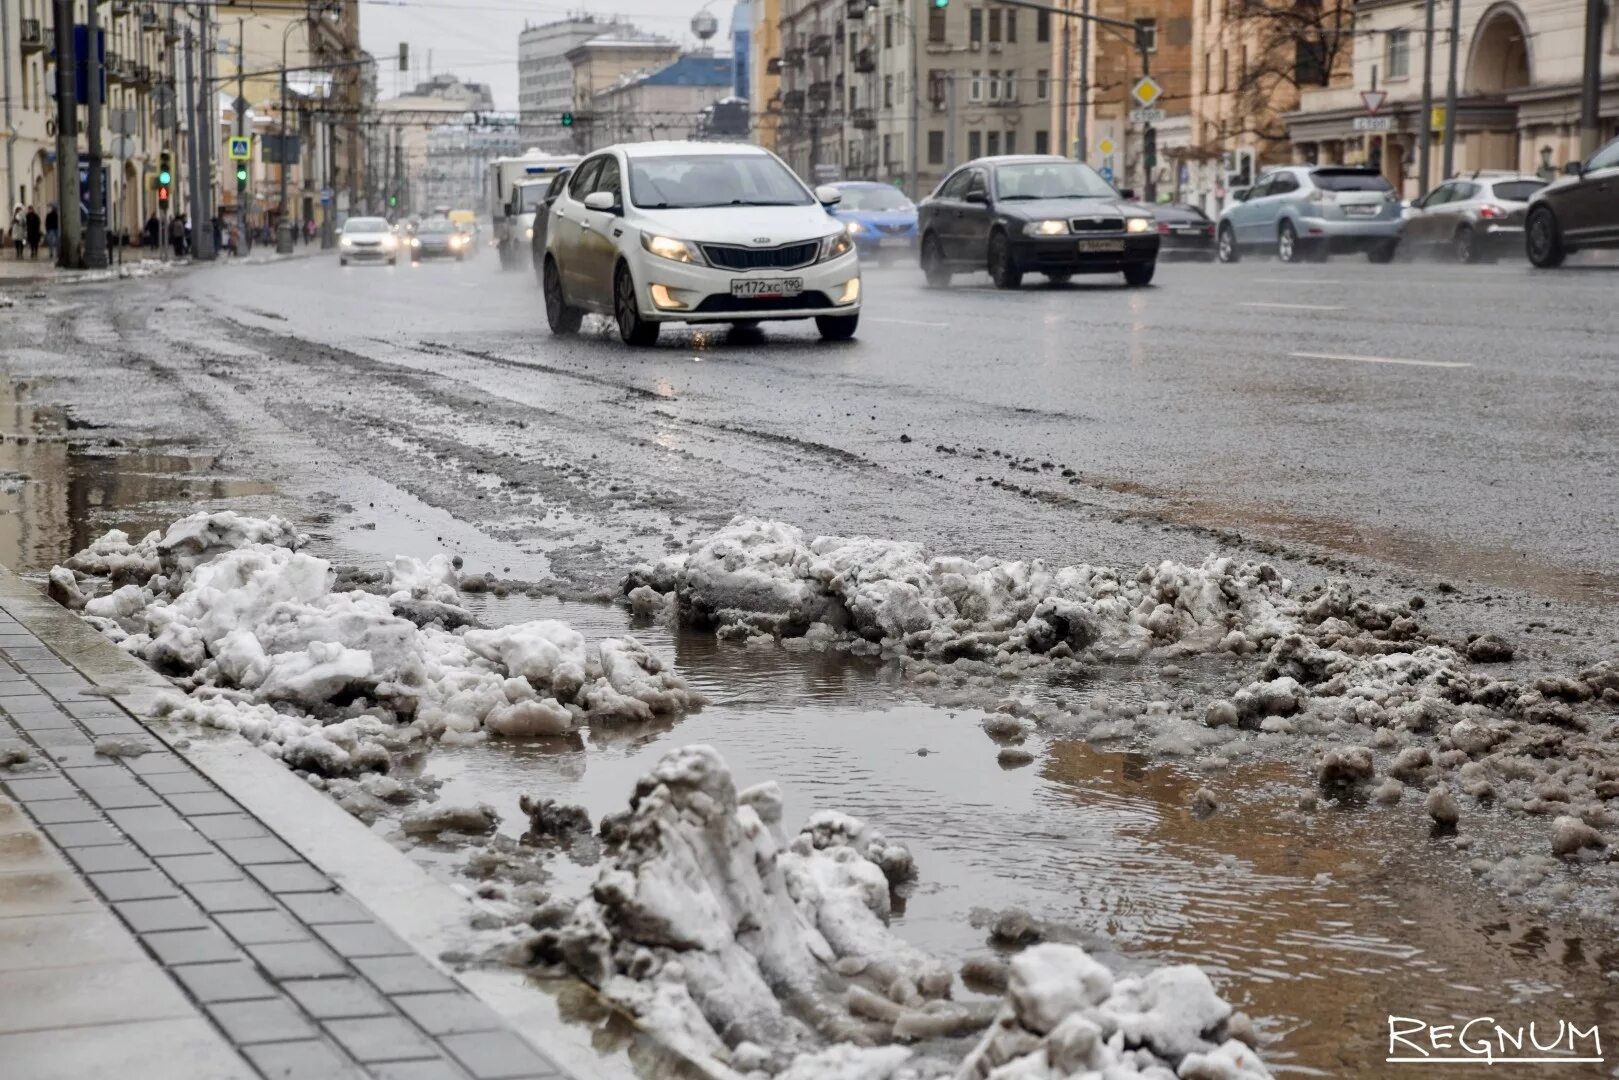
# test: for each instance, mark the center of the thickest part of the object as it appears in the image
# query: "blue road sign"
(1107, 173)
(325, 196)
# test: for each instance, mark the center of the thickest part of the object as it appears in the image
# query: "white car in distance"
(650, 233)
(367, 239)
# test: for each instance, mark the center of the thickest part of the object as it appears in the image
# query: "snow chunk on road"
(767, 576)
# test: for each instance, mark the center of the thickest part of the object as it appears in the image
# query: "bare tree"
(1286, 47)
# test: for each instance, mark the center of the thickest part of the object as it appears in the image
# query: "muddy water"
(1319, 925)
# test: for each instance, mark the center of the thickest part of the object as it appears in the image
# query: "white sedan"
(650, 233)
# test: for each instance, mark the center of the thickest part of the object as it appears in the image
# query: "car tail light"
(1209, 229)
(1163, 229)
(1322, 195)
(1491, 213)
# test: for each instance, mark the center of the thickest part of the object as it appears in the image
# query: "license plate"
(766, 288)
(1188, 230)
(1360, 211)
(1101, 245)
(894, 241)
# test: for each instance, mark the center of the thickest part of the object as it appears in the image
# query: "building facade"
(668, 103)
(1519, 70)
(458, 157)
(545, 79)
(764, 70)
(399, 130)
(607, 61)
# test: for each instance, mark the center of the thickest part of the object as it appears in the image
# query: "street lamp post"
(283, 229)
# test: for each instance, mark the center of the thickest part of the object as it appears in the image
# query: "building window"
(888, 149)
(935, 148)
(1011, 142)
(1011, 27)
(1147, 31)
(994, 141)
(1225, 68)
(975, 86)
(975, 144)
(1042, 142)
(888, 31)
(1042, 85)
(936, 25)
(1009, 86)
(1208, 71)
(995, 25)
(1042, 26)
(993, 92)
(1398, 62)
(975, 26)
(888, 91)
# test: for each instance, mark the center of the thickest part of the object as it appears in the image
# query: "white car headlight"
(1054, 227)
(839, 243)
(347, 242)
(529, 233)
(1138, 224)
(667, 247)
(388, 243)
(415, 242)
(855, 227)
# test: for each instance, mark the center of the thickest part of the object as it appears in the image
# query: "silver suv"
(1472, 218)
(1309, 211)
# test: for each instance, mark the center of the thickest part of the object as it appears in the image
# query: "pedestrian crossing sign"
(240, 148)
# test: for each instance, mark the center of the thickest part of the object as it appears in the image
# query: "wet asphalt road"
(1426, 422)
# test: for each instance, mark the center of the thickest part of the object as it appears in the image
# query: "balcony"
(857, 9)
(149, 19)
(820, 45)
(862, 119)
(33, 36)
(820, 96)
(122, 7)
(773, 66)
(865, 60)
(142, 75)
(793, 101)
(114, 68)
(793, 57)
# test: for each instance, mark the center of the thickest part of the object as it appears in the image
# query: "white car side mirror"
(600, 200)
(827, 195)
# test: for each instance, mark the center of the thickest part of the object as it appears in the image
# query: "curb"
(430, 916)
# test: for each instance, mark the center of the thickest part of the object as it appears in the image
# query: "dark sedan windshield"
(435, 227)
(1051, 180)
(685, 182)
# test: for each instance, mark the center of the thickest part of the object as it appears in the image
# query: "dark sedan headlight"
(839, 243)
(1052, 227)
(1138, 224)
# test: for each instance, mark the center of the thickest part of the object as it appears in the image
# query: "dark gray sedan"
(438, 238)
(1184, 232)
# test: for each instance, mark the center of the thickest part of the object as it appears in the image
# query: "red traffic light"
(163, 195)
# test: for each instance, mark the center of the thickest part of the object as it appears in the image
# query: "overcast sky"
(477, 39)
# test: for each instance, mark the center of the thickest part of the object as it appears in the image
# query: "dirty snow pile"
(772, 955)
(253, 629)
(767, 577)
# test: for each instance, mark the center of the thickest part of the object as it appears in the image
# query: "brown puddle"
(1318, 926)
(58, 491)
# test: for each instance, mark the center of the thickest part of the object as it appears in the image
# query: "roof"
(677, 148)
(692, 71)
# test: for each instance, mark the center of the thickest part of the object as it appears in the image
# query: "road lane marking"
(1379, 360)
(908, 322)
(1293, 307)
(1297, 281)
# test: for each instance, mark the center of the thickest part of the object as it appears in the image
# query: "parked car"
(1577, 211)
(438, 238)
(879, 217)
(542, 218)
(1471, 218)
(367, 239)
(1311, 211)
(658, 232)
(1033, 214)
(1184, 231)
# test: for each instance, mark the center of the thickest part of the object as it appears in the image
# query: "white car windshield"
(1051, 180)
(685, 182)
(366, 225)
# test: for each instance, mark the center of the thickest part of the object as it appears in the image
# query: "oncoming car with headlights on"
(367, 239)
(439, 238)
(650, 233)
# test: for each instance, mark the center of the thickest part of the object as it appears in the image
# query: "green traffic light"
(567, 117)
(393, 200)
(164, 179)
(940, 5)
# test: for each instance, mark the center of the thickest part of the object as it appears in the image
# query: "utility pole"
(239, 108)
(67, 139)
(950, 119)
(1450, 91)
(1083, 125)
(1591, 87)
(95, 233)
(916, 112)
(5, 94)
(206, 121)
(283, 227)
(1064, 147)
(1425, 131)
(202, 228)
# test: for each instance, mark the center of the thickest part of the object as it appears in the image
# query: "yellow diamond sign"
(1146, 91)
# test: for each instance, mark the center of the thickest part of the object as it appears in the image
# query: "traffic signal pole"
(95, 227)
(67, 141)
(239, 108)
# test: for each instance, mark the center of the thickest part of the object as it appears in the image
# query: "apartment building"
(764, 70)
(401, 130)
(607, 60)
(458, 157)
(667, 103)
(901, 91)
(1519, 70)
(545, 78)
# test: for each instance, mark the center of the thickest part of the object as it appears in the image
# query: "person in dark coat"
(177, 235)
(53, 230)
(31, 225)
(154, 231)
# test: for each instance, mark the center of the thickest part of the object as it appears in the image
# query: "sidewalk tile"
(153, 818)
(325, 907)
(49, 941)
(175, 947)
(76, 834)
(271, 1020)
(404, 974)
(236, 826)
(336, 999)
(174, 783)
(217, 897)
(449, 1013)
(366, 939)
(38, 790)
(497, 1055)
(28, 851)
(297, 960)
(262, 927)
(168, 913)
(160, 763)
(171, 842)
(290, 878)
(441, 1069)
(234, 980)
(123, 797)
(189, 869)
(382, 1038)
(259, 849)
(97, 860)
(300, 1061)
(133, 885)
(43, 892)
(88, 996)
(112, 725)
(203, 803)
(60, 810)
(143, 1050)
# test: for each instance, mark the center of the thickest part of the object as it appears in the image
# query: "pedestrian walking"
(309, 231)
(32, 226)
(219, 232)
(177, 235)
(154, 231)
(17, 230)
(53, 229)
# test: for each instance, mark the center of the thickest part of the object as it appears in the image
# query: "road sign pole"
(1450, 88)
(1425, 131)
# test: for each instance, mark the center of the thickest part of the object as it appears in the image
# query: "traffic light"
(241, 176)
(940, 5)
(164, 179)
(1149, 148)
(567, 119)
(393, 200)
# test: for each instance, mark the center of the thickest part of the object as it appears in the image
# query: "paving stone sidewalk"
(192, 941)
